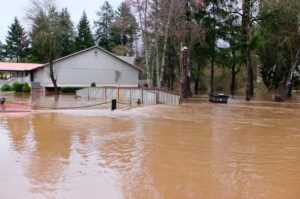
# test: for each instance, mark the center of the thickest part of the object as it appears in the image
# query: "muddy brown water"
(197, 150)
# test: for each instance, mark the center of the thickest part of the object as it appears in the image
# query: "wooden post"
(180, 71)
(113, 104)
(142, 95)
(129, 95)
(185, 76)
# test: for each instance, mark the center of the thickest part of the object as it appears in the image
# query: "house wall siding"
(39, 75)
(94, 65)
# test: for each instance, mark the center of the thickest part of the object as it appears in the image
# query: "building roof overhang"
(19, 67)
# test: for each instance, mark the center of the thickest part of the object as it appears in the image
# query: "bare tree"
(46, 32)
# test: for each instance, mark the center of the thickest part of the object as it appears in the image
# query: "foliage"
(17, 43)
(26, 88)
(120, 50)
(116, 31)
(46, 31)
(6, 87)
(68, 33)
(17, 87)
(69, 90)
(51, 33)
(93, 84)
(280, 32)
(103, 27)
(124, 29)
(226, 34)
(1, 51)
(84, 38)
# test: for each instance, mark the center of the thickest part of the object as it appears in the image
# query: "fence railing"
(168, 98)
(129, 95)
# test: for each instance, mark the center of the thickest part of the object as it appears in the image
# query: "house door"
(31, 76)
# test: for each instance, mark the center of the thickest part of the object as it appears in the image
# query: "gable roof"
(130, 60)
(13, 66)
(126, 60)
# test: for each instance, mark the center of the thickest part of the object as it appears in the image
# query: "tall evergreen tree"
(84, 38)
(1, 51)
(103, 26)
(68, 34)
(124, 29)
(17, 42)
(211, 19)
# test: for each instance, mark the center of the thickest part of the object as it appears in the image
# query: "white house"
(83, 68)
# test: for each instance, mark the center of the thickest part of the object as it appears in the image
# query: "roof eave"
(98, 47)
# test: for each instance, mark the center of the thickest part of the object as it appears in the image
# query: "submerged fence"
(129, 95)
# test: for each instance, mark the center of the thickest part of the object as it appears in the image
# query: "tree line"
(52, 33)
(174, 40)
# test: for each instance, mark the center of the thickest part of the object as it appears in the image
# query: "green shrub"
(6, 87)
(93, 84)
(18, 87)
(69, 90)
(26, 88)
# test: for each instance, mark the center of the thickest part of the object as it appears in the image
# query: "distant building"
(80, 70)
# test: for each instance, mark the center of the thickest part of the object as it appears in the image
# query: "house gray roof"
(128, 60)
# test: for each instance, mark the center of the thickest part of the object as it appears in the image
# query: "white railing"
(129, 95)
(168, 98)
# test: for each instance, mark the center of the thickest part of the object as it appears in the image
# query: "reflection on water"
(238, 150)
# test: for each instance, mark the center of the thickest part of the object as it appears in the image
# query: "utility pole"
(185, 82)
(180, 71)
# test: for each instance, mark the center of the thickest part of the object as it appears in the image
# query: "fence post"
(129, 95)
(118, 94)
(113, 104)
(143, 96)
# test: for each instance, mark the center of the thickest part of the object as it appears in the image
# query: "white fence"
(129, 95)
(168, 98)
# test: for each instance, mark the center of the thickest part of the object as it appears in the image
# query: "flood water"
(197, 150)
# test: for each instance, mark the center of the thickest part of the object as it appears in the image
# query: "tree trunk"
(157, 67)
(152, 67)
(172, 81)
(158, 75)
(145, 39)
(232, 86)
(212, 69)
(197, 80)
(52, 77)
(212, 74)
(163, 59)
(249, 88)
(186, 80)
(289, 82)
(246, 24)
(180, 82)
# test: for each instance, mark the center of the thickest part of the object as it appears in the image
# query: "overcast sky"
(11, 8)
